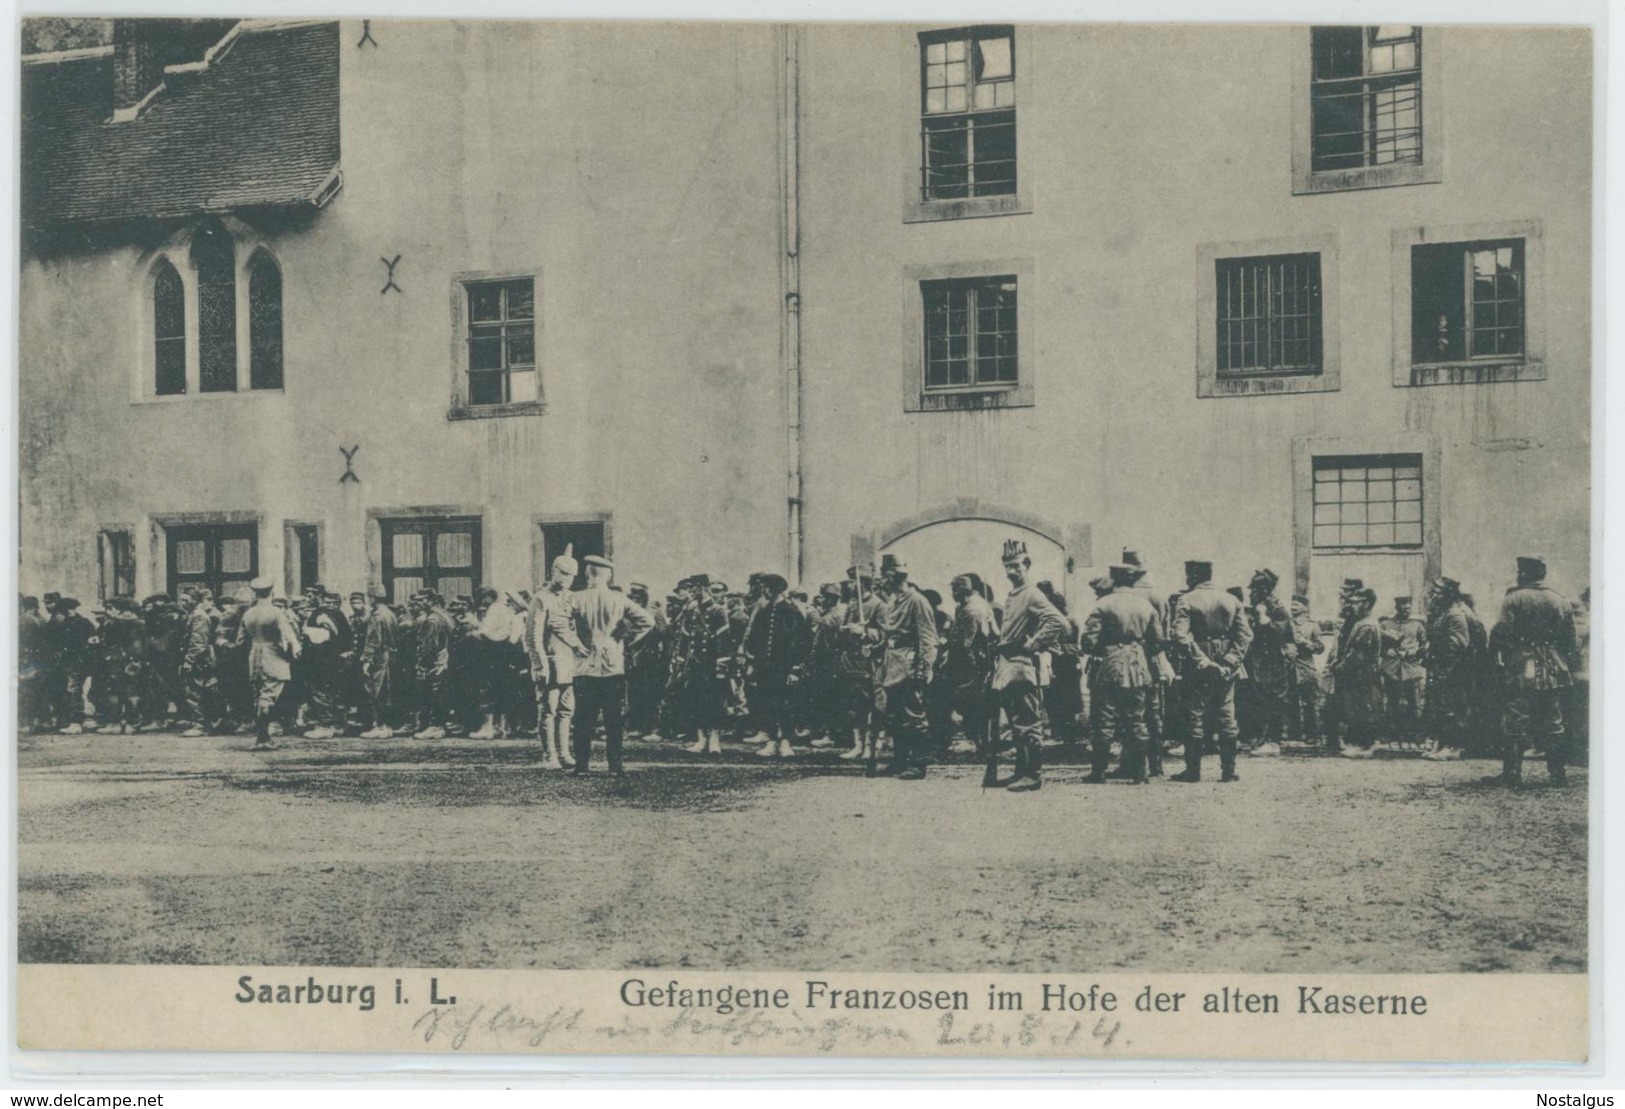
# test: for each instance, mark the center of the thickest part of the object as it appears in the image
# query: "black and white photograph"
(819, 498)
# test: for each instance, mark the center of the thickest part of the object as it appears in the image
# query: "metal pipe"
(789, 135)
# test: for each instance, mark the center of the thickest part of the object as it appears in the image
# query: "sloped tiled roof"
(258, 127)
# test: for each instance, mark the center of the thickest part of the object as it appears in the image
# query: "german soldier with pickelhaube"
(1538, 651)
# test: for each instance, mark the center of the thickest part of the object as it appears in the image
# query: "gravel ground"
(158, 849)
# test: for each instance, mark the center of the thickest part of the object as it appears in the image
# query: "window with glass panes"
(168, 331)
(1365, 96)
(1368, 501)
(1467, 301)
(970, 332)
(502, 341)
(968, 113)
(214, 258)
(439, 553)
(220, 556)
(116, 552)
(1269, 315)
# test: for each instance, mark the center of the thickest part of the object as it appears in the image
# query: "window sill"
(1412, 550)
(1477, 373)
(928, 211)
(973, 399)
(1367, 177)
(1210, 384)
(494, 411)
(182, 398)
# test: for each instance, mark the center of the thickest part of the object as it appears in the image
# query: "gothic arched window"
(264, 323)
(169, 330)
(215, 262)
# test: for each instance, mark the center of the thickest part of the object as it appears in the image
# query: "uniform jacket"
(272, 641)
(379, 644)
(1210, 625)
(551, 641)
(606, 621)
(1269, 659)
(200, 629)
(972, 636)
(1535, 639)
(1404, 645)
(1031, 624)
(777, 641)
(1449, 642)
(1124, 632)
(1359, 672)
(434, 632)
(907, 625)
(1306, 644)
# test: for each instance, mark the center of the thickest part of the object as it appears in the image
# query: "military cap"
(891, 564)
(1267, 578)
(566, 562)
(829, 589)
(773, 583)
(280, 602)
(1531, 566)
(1201, 569)
(358, 593)
(637, 585)
(700, 581)
(121, 604)
(69, 602)
(599, 560)
(485, 593)
(157, 599)
(262, 584)
(1351, 585)
(52, 598)
(1404, 600)
(1014, 549)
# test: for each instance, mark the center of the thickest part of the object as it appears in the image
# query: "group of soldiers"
(873, 664)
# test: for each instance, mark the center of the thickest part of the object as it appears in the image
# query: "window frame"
(1268, 264)
(248, 249)
(917, 209)
(212, 535)
(110, 564)
(917, 396)
(1209, 381)
(1530, 365)
(1307, 180)
(1391, 460)
(461, 334)
(430, 526)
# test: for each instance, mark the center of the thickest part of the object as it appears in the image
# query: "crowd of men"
(874, 665)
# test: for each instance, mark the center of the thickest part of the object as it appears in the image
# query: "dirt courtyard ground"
(158, 849)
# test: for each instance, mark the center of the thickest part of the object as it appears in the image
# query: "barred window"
(502, 342)
(970, 332)
(215, 261)
(169, 331)
(264, 323)
(1269, 315)
(1368, 501)
(968, 117)
(1366, 96)
(1467, 301)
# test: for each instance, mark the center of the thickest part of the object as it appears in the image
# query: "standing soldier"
(200, 680)
(1212, 633)
(377, 666)
(552, 646)
(1031, 624)
(1404, 644)
(123, 641)
(645, 668)
(1122, 634)
(698, 661)
(73, 655)
(166, 643)
(1449, 642)
(607, 623)
(1304, 674)
(967, 659)
(855, 676)
(272, 644)
(324, 634)
(816, 688)
(906, 626)
(30, 665)
(774, 650)
(1359, 675)
(1158, 696)
(1539, 653)
(1269, 665)
(231, 666)
(434, 636)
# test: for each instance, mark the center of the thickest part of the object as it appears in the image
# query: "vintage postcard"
(1019, 539)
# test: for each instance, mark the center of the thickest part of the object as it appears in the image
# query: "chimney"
(138, 64)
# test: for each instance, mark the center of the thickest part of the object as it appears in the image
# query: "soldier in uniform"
(645, 668)
(1030, 625)
(1484, 693)
(607, 623)
(774, 651)
(1211, 631)
(272, 644)
(698, 664)
(967, 659)
(816, 691)
(73, 656)
(323, 656)
(377, 667)
(1449, 641)
(1122, 635)
(1304, 674)
(552, 646)
(1404, 677)
(200, 680)
(907, 628)
(31, 710)
(122, 638)
(1269, 665)
(166, 643)
(1359, 675)
(434, 641)
(1158, 695)
(855, 674)
(1539, 652)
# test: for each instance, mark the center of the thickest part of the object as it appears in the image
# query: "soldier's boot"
(856, 750)
(262, 731)
(714, 742)
(488, 729)
(561, 744)
(702, 742)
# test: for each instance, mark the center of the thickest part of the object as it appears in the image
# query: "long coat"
(1124, 632)
(1359, 673)
(272, 641)
(1536, 639)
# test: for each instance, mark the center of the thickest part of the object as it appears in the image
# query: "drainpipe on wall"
(789, 134)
